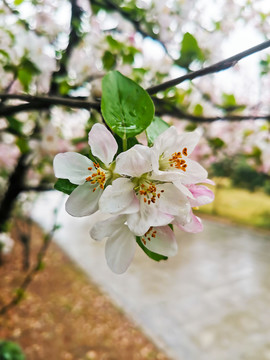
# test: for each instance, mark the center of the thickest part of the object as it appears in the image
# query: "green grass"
(239, 205)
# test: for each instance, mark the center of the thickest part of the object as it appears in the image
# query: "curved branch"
(53, 100)
(38, 102)
(43, 102)
(222, 65)
(164, 108)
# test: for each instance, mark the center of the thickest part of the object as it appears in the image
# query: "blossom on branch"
(145, 190)
(121, 242)
(171, 162)
(201, 195)
(90, 176)
(151, 202)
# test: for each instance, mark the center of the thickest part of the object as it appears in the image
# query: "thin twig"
(41, 102)
(222, 65)
(164, 108)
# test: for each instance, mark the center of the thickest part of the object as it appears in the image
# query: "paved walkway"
(210, 302)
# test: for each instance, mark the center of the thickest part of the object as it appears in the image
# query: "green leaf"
(64, 88)
(190, 51)
(128, 58)
(152, 255)
(25, 78)
(228, 100)
(114, 44)
(216, 143)
(108, 60)
(10, 68)
(10, 351)
(18, 2)
(26, 70)
(157, 127)
(265, 65)
(29, 66)
(15, 125)
(65, 186)
(22, 145)
(126, 107)
(229, 103)
(4, 54)
(198, 110)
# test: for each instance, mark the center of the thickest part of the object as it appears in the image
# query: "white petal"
(189, 140)
(72, 166)
(164, 242)
(149, 215)
(167, 176)
(201, 195)
(106, 228)
(120, 250)
(209, 181)
(83, 201)
(183, 189)
(135, 161)
(167, 142)
(194, 226)
(119, 198)
(172, 201)
(194, 173)
(103, 144)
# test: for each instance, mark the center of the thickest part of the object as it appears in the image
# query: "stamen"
(149, 192)
(98, 177)
(149, 235)
(177, 161)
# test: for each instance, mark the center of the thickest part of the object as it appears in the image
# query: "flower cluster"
(145, 189)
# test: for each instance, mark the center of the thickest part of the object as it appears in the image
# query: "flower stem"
(124, 144)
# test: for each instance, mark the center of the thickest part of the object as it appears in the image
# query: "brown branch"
(165, 108)
(222, 65)
(53, 100)
(38, 102)
(14, 188)
(162, 107)
(10, 110)
(43, 102)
